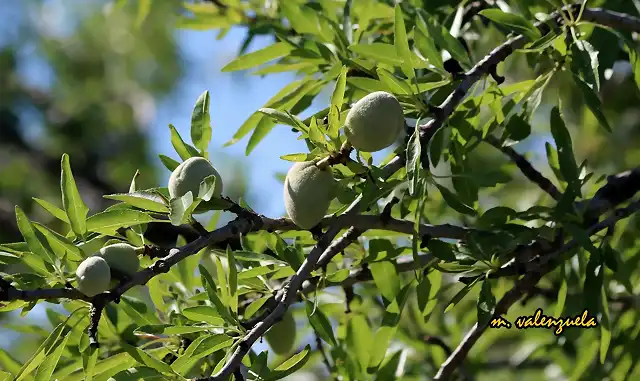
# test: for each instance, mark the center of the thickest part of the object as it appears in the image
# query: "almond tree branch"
(324, 248)
(526, 168)
(499, 54)
(427, 131)
(618, 189)
(521, 288)
(233, 230)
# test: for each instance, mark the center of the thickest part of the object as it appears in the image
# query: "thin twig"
(437, 341)
(325, 358)
(526, 168)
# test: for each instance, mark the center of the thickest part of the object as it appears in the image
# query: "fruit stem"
(339, 157)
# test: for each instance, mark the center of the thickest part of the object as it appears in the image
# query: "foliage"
(424, 246)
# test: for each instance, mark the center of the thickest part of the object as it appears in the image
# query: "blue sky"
(234, 97)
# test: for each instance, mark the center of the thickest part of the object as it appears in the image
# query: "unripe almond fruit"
(374, 122)
(188, 176)
(93, 276)
(282, 336)
(121, 257)
(308, 191)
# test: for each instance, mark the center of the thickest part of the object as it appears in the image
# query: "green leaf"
(385, 333)
(59, 243)
(168, 329)
(45, 370)
(246, 127)
(259, 57)
(368, 84)
(454, 202)
(460, 294)
(71, 200)
(518, 128)
(8, 363)
(584, 360)
(144, 7)
(634, 60)
(40, 354)
(168, 162)
(390, 367)
(441, 250)
(207, 188)
(103, 368)
(486, 304)
(147, 359)
(285, 117)
(605, 325)
(379, 52)
(133, 186)
(437, 145)
(540, 44)
(396, 85)
(445, 40)
(321, 325)
(54, 210)
(562, 293)
(265, 125)
(181, 208)
(252, 122)
(513, 22)
(593, 102)
(401, 42)
(359, 339)
(201, 123)
(109, 221)
(386, 278)
(564, 146)
(89, 359)
(141, 199)
(210, 286)
(585, 63)
(138, 311)
(337, 98)
(205, 314)
(200, 348)
(306, 20)
(427, 47)
(427, 292)
(255, 306)
(292, 365)
(183, 149)
(413, 166)
(233, 281)
(28, 232)
(552, 160)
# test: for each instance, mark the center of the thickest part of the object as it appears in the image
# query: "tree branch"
(520, 289)
(324, 250)
(526, 168)
(500, 53)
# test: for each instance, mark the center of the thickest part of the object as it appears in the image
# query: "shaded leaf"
(513, 22)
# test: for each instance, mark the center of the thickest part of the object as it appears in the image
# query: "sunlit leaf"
(71, 200)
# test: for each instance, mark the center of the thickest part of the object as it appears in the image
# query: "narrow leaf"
(201, 123)
(259, 57)
(513, 22)
(71, 200)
